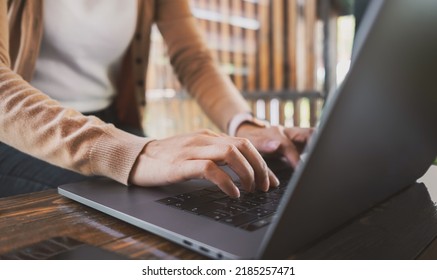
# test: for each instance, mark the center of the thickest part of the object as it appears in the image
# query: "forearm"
(195, 66)
(35, 124)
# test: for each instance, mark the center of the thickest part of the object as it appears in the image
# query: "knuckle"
(244, 143)
(194, 140)
(205, 131)
(251, 175)
(208, 166)
(263, 165)
(230, 150)
(187, 141)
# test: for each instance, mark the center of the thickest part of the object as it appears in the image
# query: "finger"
(207, 169)
(229, 155)
(290, 152)
(298, 134)
(299, 137)
(255, 160)
(274, 181)
(268, 146)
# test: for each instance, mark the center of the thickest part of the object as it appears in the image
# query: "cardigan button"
(139, 60)
(140, 83)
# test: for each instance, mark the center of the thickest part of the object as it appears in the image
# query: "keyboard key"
(203, 208)
(246, 195)
(232, 210)
(184, 197)
(247, 204)
(260, 212)
(176, 204)
(216, 195)
(198, 199)
(274, 195)
(228, 201)
(250, 212)
(262, 199)
(216, 215)
(271, 205)
(168, 200)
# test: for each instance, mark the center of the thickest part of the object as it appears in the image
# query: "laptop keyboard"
(251, 211)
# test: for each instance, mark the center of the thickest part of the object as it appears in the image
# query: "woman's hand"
(198, 156)
(277, 140)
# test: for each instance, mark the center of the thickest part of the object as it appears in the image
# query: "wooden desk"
(403, 227)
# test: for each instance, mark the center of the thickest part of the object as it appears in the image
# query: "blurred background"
(285, 56)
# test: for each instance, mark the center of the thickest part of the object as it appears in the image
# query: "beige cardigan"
(33, 123)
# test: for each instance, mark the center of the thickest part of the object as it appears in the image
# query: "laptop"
(377, 135)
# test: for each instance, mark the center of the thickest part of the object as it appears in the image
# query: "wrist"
(246, 129)
(135, 173)
(245, 119)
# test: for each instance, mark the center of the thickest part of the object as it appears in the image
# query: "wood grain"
(403, 227)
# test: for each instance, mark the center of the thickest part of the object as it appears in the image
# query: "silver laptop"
(377, 135)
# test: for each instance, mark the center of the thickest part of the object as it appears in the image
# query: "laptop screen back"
(378, 132)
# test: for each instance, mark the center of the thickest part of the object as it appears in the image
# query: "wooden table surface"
(39, 225)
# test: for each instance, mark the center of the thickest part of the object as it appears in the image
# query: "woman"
(91, 56)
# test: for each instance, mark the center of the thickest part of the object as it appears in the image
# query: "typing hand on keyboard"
(251, 211)
(198, 156)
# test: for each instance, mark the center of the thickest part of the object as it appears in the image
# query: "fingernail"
(276, 183)
(237, 193)
(272, 145)
(266, 184)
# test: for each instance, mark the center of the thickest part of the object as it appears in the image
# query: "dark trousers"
(21, 173)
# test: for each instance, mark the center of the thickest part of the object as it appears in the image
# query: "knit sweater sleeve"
(37, 125)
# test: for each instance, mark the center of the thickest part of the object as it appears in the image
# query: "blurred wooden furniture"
(402, 227)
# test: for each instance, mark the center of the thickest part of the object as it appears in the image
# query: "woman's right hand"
(198, 156)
